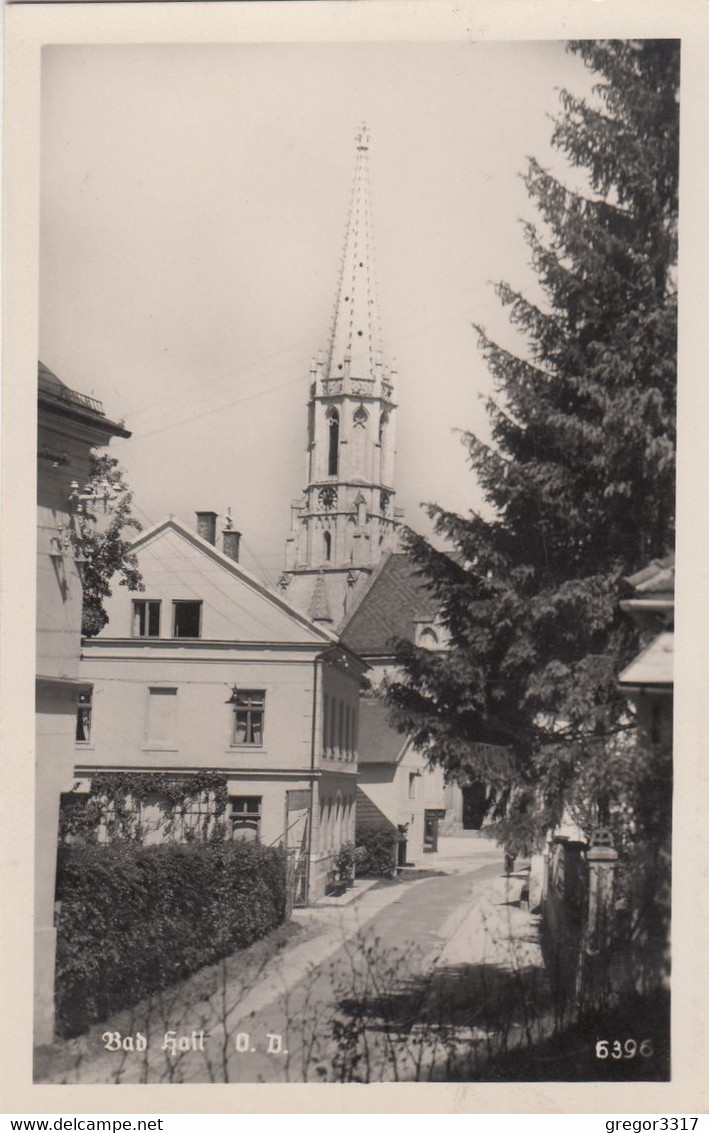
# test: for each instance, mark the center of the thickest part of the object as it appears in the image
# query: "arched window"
(428, 638)
(360, 417)
(333, 419)
(383, 422)
(327, 545)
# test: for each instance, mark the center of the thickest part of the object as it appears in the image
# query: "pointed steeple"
(353, 349)
(347, 520)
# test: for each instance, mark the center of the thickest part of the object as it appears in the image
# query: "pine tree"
(107, 541)
(579, 475)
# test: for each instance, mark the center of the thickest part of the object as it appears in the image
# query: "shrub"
(133, 920)
(376, 850)
(344, 862)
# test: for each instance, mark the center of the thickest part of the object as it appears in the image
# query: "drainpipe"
(316, 661)
(312, 779)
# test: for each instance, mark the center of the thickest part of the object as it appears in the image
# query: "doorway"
(474, 805)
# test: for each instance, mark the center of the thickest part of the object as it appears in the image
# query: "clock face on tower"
(327, 498)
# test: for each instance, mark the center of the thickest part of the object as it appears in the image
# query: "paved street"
(279, 1029)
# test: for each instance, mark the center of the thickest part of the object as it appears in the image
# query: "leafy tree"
(107, 541)
(578, 476)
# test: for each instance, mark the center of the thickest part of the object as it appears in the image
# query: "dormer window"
(428, 638)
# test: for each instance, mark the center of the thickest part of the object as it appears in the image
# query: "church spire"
(347, 520)
(353, 347)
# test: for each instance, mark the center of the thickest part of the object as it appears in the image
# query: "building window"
(360, 417)
(348, 730)
(412, 785)
(327, 544)
(187, 617)
(333, 717)
(162, 717)
(383, 422)
(248, 717)
(333, 424)
(341, 729)
(83, 717)
(146, 618)
(246, 817)
(326, 722)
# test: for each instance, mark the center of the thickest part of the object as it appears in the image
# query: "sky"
(193, 208)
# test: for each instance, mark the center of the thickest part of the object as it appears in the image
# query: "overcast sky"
(193, 210)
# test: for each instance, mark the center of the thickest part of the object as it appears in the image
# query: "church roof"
(396, 599)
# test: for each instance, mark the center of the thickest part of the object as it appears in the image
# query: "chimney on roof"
(207, 526)
(231, 538)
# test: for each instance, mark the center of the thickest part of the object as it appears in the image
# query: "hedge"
(375, 850)
(133, 920)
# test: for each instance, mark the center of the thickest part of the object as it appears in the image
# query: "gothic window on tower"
(383, 422)
(333, 419)
(384, 501)
(327, 498)
(360, 417)
(327, 546)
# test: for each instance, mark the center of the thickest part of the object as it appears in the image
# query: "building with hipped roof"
(69, 425)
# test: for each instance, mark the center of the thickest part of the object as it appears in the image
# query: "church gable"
(192, 590)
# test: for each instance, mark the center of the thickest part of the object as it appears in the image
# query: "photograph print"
(355, 562)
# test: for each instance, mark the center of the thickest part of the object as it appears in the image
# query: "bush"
(133, 920)
(375, 850)
(344, 862)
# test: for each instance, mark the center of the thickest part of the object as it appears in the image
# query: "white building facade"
(206, 670)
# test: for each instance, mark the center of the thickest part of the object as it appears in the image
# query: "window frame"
(250, 819)
(157, 743)
(87, 708)
(186, 602)
(146, 602)
(248, 694)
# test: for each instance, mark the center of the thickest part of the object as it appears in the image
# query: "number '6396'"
(629, 1048)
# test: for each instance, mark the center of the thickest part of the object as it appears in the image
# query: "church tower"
(346, 520)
